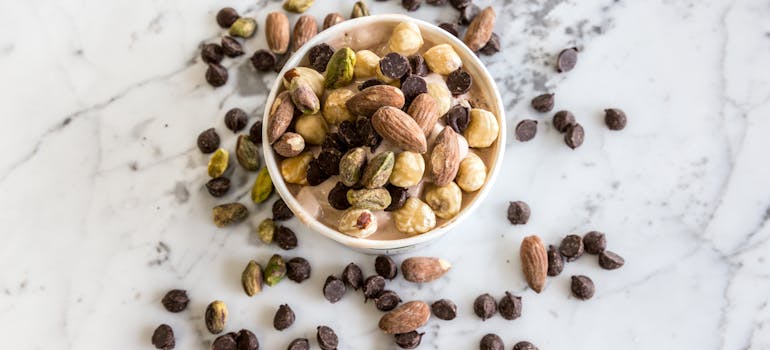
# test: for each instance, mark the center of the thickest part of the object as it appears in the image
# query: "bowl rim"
(363, 243)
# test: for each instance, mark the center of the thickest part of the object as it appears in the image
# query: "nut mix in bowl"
(385, 130)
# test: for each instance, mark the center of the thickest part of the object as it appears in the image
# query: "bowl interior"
(361, 33)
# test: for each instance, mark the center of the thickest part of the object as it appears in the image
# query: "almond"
(369, 100)
(277, 32)
(424, 269)
(424, 110)
(405, 318)
(534, 262)
(480, 30)
(305, 29)
(445, 157)
(281, 114)
(399, 128)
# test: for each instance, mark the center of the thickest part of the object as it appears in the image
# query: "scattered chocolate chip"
(411, 5)
(574, 136)
(518, 213)
(418, 65)
(285, 238)
(352, 276)
(459, 82)
(327, 339)
(571, 247)
(460, 4)
(227, 16)
(280, 61)
(236, 119)
(319, 56)
(615, 119)
(281, 211)
(387, 300)
(491, 342)
(594, 242)
(334, 289)
(562, 120)
(216, 75)
(582, 287)
(338, 196)
(263, 60)
(247, 340)
(398, 197)
(485, 306)
(163, 337)
(543, 103)
(451, 28)
(394, 65)
(284, 317)
(315, 175)
(208, 140)
(458, 118)
(369, 83)
(212, 53)
(218, 186)
(373, 286)
(385, 267)
(610, 261)
(526, 130)
(468, 13)
(567, 60)
(413, 86)
(492, 46)
(231, 47)
(555, 261)
(510, 306)
(525, 345)
(255, 132)
(299, 344)
(298, 269)
(225, 342)
(444, 309)
(409, 340)
(175, 300)
(329, 161)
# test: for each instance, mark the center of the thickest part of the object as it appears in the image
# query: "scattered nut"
(251, 278)
(534, 262)
(305, 29)
(424, 269)
(277, 32)
(359, 10)
(405, 318)
(281, 115)
(243, 27)
(297, 6)
(332, 19)
(216, 316)
(480, 30)
(218, 163)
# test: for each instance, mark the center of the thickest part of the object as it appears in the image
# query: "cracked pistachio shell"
(247, 153)
(297, 6)
(303, 96)
(351, 166)
(218, 162)
(315, 79)
(372, 199)
(360, 9)
(216, 316)
(266, 230)
(339, 71)
(263, 186)
(251, 278)
(275, 270)
(378, 170)
(229, 213)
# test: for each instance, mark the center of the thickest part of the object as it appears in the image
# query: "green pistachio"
(378, 170)
(266, 230)
(251, 278)
(339, 70)
(247, 153)
(216, 316)
(229, 213)
(263, 186)
(297, 6)
(372, 199)
(352, 165)
(218, 162)
(359, 10)
(244, 27)
(275, 270)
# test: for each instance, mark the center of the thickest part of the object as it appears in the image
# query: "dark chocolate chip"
(338, 196)
(255, 132)
(413, 86)
(373, 286)
(491, 342)
(225, 342)
(349, 134)
(555, 261)
(492, 46)
(518, 213)
(394, 65)
(543, 103)
(284, 317)
(459, 82)
(615, 119)
(247, 340)
(285, 238)
(525, 345)
(444, 309)
(298, 269)
(319, 56)
(574, 136)
(409, 340)
(334, 289)
(216, 75)
(218, 186)
(175, 300)
(352, 276)
(385, 267)
(571, 247)
(369, 83)
(236, 119)
(582, 287)
(458, 118)
(387, 300)
(280, 61)
(327, 339)
(460, 4)
(367, 134)
(398, 197)
(485, 306)
(231, 47)
(263, 60)
(315, 175)
(526, 130)
(610, 261)
(510, 306)
(562, 120)
(418, 65)
(212, 53)
(227, 16)
(594, 242)
(299, 344)
(281, 211)
(411, 5)
(451, 28)
(208, 140)
(468, 13)
(329, 161)
(567, 60)
(436, 2)
(163, 337)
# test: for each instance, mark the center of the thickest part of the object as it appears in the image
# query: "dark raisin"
(218, 186)
(349, 134)
(367, 134)
(315, 175)
(329, 161)
(451, 28)
(338, 196)
(175, 300)
(255, 132)
(334, 140)
(319, 56)
(281, 211)
(298, 269)
(236, 119)
(284, 317)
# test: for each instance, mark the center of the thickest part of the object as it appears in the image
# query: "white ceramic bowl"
(349, 30)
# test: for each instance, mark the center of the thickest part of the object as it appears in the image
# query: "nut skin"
(399, 128)
(424, 269)
(480, 30)
(311, 76)
(218, 163)
(243, 27)
(352, 166)
(445, 157)
(415, 217)
(216, 316)
(339, 71)
(251, 278)
(472, 173)
(281, 115)
(357, 222)
(303, 96)
(405, 318)
(289, 145)
(408, 169)
(445, 200)
(331, 19)
(366, 64)
(335, 110)
(294, 169)
(442, 59)
(424, 110)
(367, 101)
(263, 186)
(297, 6)
(378, 170)
(312, 128)
(534, 262)
(442, 95)
(372, 199)
(277, 32)
(482, 130)
(304, 30)
(406, 39)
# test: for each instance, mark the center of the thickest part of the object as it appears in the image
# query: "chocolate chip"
(418, 65)
(284, 317)
(212, 53)
(468, 13)
(352, 276)
(385, 267)
(460, 4)
(413, 86)
(247, 340)
(315, 175)
(398, 197)
(329, 161)
(227, 16)
(236, 119)
(373, 286)
(610, 261)
(574, 136)
(459, 82)
(299, 344)
(298, 269)
(411, 5)
(451, 28)
(285, 238)
(582, 287)
(218, 186)
(334, 140)
(280, 61)
(334, 289)
(263, 60)
(338, 196)
(367, 134)
(615, 119)
(555, 261)
(458, 118)
(225, 342)
(571, 247)
(525, 345)
(319, 56)
(492, 46)
(518, 213)
(436, 2)
(255, 132)
(387, 300)
(444, 309)
(349, 134)
(409, 340)
(231, 47)
(163, 337)
(394, 65)
(216, 75)
(562, 120)
(208, 141)
(281, 211)
(369, 83)
(594, 242)
(327, 339)
(510, 306)
(485, 306)
(543, 103)
(491, 342)
(567, 60)
(175, 300)
(526, 130)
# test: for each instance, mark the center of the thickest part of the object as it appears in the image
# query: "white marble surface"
(103, 209)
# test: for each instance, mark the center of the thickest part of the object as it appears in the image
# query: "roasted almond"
(369, 100)
(534, 262)
(424, 269)
(445, 157)
(305, 29)
(399, 128)
(332, 19)
(281, 114)
(405, 318)
(277, 32)
(424, 110)
(480, 30)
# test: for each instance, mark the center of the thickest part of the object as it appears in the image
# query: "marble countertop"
(103, 206)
